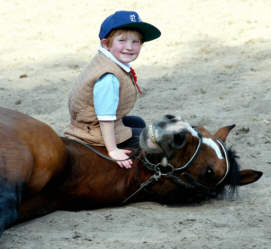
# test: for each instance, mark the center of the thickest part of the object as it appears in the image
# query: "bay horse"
(41, 172)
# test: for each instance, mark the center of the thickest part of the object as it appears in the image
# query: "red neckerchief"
(135, 80)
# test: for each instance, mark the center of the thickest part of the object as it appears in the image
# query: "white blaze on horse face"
(207, 141)
(214, 146)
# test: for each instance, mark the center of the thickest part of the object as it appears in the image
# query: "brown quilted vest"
(84, 124)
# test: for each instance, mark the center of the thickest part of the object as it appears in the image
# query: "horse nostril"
(179, 140)
(170, 117)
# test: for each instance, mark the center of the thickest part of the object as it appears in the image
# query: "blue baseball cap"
(128, 20)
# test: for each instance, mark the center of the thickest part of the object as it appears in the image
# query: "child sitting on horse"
(105, 92)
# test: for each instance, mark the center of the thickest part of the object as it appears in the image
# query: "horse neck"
(140, 171)
(85, 167)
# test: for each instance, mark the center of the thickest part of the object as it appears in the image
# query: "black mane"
(233, 178)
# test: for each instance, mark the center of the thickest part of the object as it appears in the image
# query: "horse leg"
(38, 206)
(10, 198)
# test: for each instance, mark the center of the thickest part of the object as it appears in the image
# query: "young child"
(106, 91)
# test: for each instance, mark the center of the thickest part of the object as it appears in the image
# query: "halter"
(159, 169)
(222, 145)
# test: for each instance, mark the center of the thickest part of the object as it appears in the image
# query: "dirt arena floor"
(211, 66)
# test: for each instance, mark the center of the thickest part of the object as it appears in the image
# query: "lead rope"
(143, 185)
(102, 155)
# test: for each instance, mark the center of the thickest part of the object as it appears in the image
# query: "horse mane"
(229, 188)
(233, 178)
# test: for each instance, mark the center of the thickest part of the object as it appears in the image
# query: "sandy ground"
(211, 66)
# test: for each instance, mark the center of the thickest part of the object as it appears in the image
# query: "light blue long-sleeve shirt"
(106, 92)
(106, 97)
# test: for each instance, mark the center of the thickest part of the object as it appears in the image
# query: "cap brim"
(148, 31)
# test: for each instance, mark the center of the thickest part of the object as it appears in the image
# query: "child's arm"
(107, 128)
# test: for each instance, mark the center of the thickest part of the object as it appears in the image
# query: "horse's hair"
(228, 189)
(233, 178)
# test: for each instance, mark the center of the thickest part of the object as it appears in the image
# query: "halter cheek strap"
(222, 145)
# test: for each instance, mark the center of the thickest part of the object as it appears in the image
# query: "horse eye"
(209, 171)
(179, 140)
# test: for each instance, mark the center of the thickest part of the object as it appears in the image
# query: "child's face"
(125, 46)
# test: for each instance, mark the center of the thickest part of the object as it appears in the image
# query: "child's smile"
(126, 48)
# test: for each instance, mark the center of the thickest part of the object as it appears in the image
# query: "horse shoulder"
(48, 150)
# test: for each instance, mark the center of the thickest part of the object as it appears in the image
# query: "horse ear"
(223, 132)
(248, 176)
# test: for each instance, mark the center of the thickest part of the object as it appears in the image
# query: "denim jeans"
(137, 124)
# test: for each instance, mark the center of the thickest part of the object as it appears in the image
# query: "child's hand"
(120, 154)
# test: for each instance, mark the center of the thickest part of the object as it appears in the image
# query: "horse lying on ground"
(41, 172)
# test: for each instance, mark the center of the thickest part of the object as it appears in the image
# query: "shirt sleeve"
(106, 97)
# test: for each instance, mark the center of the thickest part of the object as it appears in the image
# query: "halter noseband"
(152, 167)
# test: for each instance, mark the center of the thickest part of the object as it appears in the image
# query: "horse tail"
(10, 199)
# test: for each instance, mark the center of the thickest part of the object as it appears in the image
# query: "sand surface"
(211, 66)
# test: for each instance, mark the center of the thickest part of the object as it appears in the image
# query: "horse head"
(192, 157)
